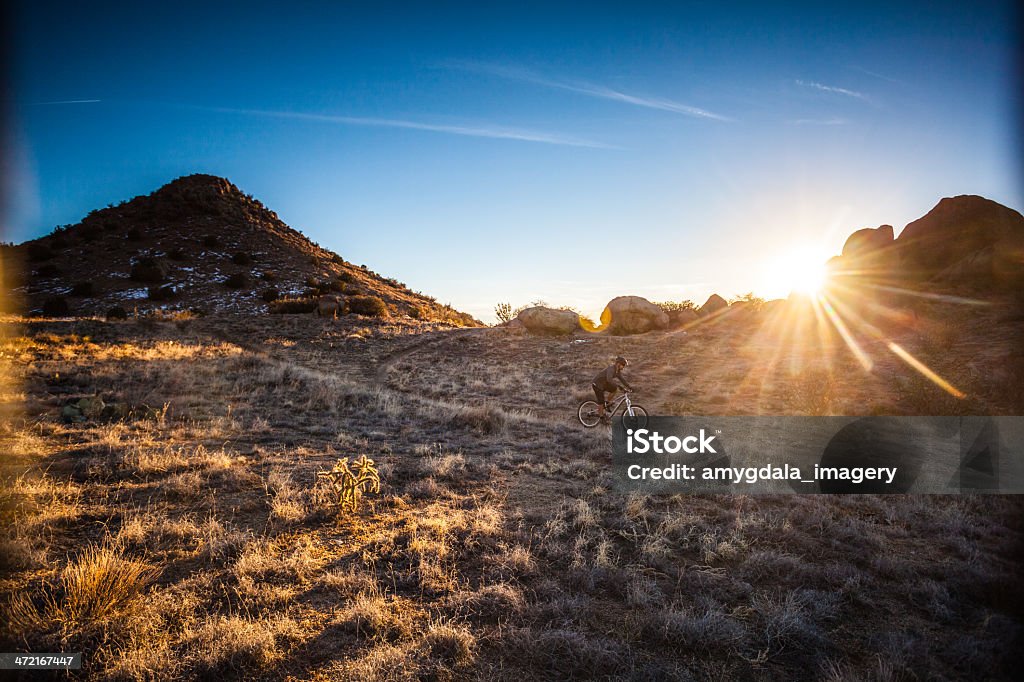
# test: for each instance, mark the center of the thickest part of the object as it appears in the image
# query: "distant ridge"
(196, 243)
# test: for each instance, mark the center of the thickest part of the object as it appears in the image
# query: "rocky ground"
(184, 534)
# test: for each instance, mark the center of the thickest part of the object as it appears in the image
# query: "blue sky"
(486, 152)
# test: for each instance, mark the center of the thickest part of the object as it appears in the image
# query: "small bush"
(56, 307)
(82, 289)
(268, 276)
(293, 306)
(99, 586)
(270, 295)
(48, 270)
(38, 251)
(177, 254)
(211, 241)
(347, 277)
(371, 306)
(241, 258)
(149, 269)
(134, 235)
(163, 293)
(117, 313)
(238, 280)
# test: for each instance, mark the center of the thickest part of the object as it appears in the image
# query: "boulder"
(682, 318)
(70, 413)
(713, 305)
(541, 320)
(91, 407)
(868, 240)
(633, 315)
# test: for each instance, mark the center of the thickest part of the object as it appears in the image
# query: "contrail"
(584, 88)
(832, 89)
(64, 101)
(494, 132)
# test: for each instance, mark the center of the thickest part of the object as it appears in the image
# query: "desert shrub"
(293, 306)
(38, 251)
(149, 269)
(117, 313)
(812, 392)
(270, 295)
(48, 270)
(56, 307)
(241, 258)
(162, 293)
(237, 280)
(90, 232)
(333, 286)
(58, 243)
(371, 306)
(347, 277)
(99, 586)
(337, 259)
(673, 306)
(211, 241)
(503, 311)
(268, 276)
(416, 312)
(134, 235)
(177, 254)
(82, 289)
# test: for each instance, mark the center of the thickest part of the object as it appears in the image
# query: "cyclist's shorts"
(600, 392)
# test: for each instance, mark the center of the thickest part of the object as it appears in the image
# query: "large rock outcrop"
(965, 243)
(713, 305)
(541, 320)
(632, 315)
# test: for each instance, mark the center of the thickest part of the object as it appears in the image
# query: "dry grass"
(97, 588)
(496, 548)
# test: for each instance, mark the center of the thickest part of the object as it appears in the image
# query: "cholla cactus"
(350, 483)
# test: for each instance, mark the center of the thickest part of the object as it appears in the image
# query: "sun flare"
(799, 270)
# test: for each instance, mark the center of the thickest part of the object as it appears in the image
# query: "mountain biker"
(607, 382)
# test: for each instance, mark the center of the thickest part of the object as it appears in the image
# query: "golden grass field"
(188, 539)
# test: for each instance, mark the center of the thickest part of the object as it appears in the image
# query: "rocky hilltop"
(966, 244)
(198, 243)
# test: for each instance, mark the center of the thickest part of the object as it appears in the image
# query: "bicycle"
(633, 416)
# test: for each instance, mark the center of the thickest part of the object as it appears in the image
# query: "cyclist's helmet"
(622, 361)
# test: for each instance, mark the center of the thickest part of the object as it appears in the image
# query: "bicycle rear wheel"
(638, 420)
(589, 414)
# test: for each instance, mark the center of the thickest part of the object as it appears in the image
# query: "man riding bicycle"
(607, 382)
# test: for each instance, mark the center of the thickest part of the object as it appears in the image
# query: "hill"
(198, 243)
(966, 244)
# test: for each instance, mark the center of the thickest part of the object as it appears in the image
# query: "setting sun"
(799, 270)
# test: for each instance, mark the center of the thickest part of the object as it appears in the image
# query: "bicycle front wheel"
(637, 420)
(589, 414)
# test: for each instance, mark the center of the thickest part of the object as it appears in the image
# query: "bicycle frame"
(615, 408)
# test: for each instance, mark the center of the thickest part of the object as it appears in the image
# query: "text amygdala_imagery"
(821, 455)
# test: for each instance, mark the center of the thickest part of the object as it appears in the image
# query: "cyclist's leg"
(599, 395)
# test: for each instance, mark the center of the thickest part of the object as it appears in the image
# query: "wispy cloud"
(584, 88)
(489, 131)
(833, 90)
(64, 101)
(835, 121)
(877, 75)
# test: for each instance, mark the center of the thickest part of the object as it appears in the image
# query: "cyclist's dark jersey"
(609, 378)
